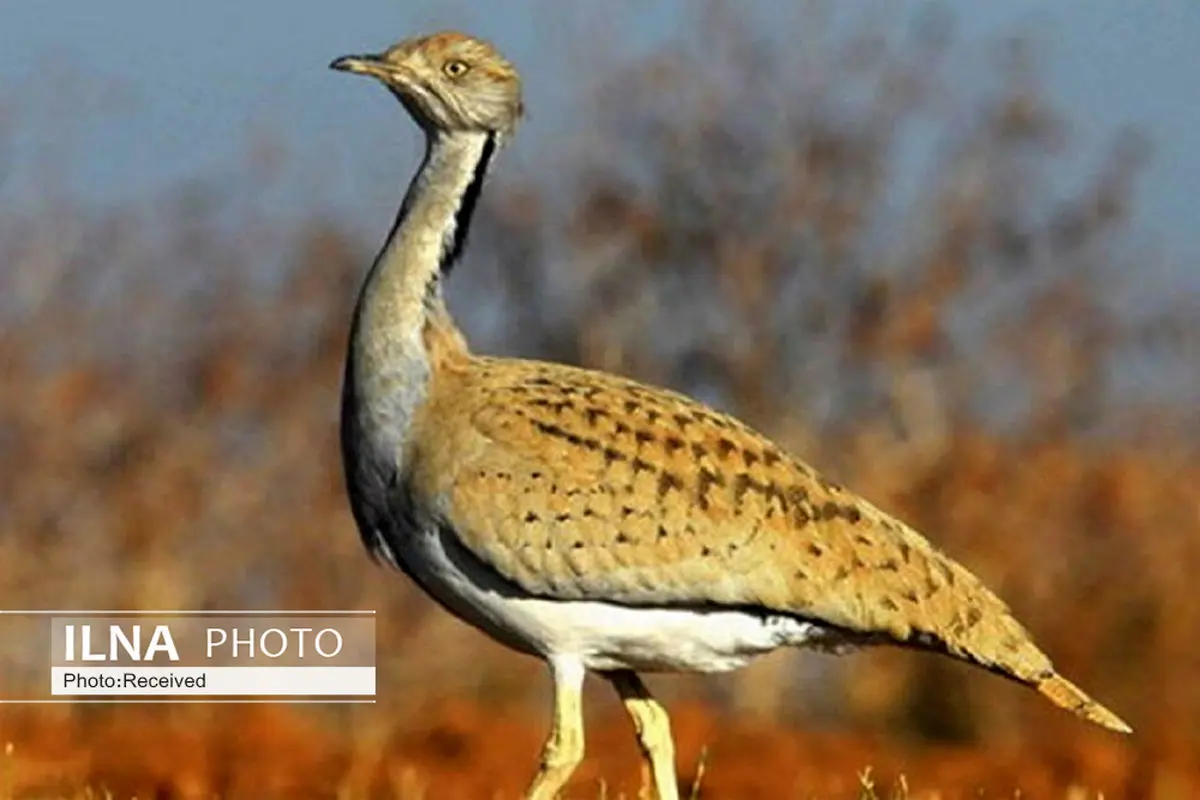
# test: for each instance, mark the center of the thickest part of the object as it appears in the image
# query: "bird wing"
(581, 485)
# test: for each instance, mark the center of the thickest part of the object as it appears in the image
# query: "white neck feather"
(388, 367)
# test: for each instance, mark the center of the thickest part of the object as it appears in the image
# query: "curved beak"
(360, 65)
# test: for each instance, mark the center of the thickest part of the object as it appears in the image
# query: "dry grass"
(168, 436)
(464, 750)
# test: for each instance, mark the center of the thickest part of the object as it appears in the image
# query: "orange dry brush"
(463, 750)
(168, 445)
(460, 750)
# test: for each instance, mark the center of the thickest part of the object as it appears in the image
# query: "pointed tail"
(1063, 693)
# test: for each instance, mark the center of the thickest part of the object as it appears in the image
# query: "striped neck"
(431, 228)
(388, 367)
(456, 239)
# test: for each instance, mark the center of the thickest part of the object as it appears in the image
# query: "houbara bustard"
(592, 521)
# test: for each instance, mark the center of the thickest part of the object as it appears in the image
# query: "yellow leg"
(653, 731)
(564, 745)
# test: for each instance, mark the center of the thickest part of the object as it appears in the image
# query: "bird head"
(447, 81)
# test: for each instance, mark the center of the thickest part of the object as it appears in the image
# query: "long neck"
(389, 366)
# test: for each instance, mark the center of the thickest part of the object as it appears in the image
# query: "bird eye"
(456, 69)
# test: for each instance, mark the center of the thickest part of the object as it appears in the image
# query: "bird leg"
(653, 731)
(564, 745)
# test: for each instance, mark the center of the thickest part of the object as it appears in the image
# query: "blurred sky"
(123, 98)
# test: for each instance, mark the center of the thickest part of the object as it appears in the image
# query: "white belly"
(603, 636)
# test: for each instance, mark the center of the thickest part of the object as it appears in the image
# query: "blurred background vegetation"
(968, 343)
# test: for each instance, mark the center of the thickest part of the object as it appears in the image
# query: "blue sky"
(144, 93)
